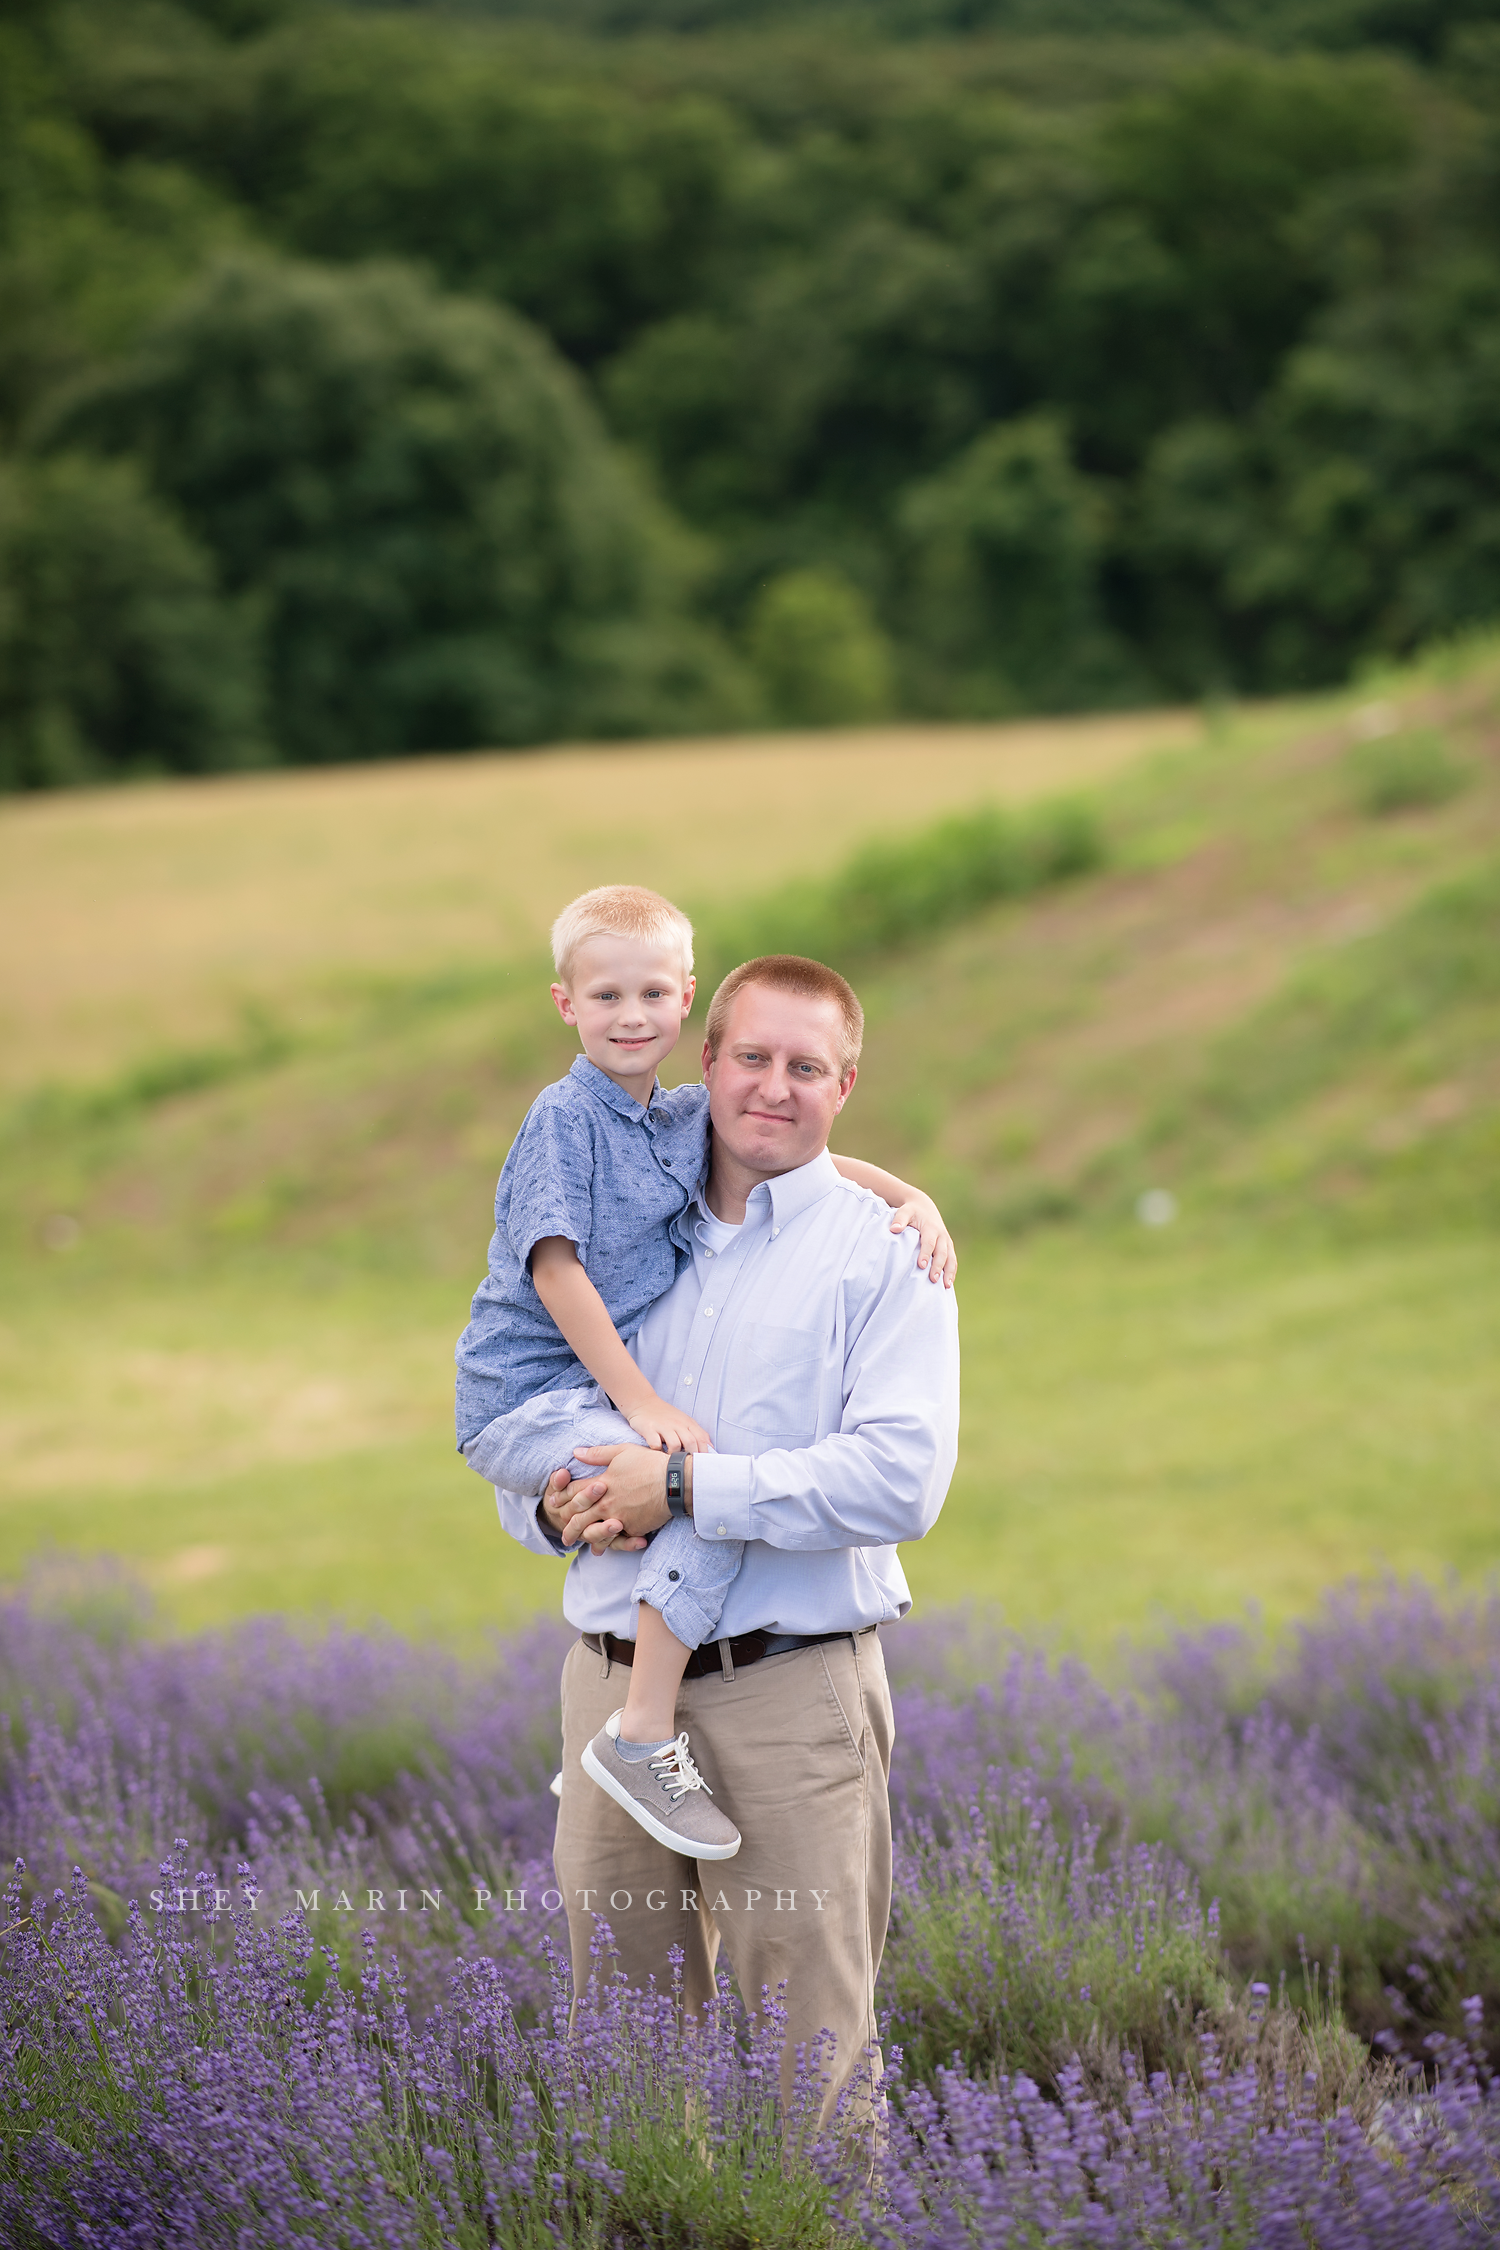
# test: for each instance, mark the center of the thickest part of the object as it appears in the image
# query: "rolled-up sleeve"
(521, 1517)
(882, 1476)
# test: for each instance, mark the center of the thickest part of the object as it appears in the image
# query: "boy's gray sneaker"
(666, 1794)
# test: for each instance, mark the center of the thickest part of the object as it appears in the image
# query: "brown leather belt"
(725, 1657)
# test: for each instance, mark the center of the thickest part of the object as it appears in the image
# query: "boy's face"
(627, 999)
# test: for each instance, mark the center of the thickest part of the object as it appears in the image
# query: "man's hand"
(564, 1501)
(936, 1253)
(667, 1428)
(631, 1497)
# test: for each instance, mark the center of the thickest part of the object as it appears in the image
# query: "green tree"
(418, 494)
(1005, 546)
(90, 251)
(1383, 445)
(117, 653)
(1358, 510)
(809, 279)
(837, 370)
(818, 652)
(529, 178)
(1157, 266)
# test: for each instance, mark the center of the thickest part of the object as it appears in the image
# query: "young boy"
(603, 1166)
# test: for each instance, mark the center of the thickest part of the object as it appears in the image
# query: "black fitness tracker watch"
(677, 1483)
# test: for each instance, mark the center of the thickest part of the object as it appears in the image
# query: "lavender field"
(1205, 1954)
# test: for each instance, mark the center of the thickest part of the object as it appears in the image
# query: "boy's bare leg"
(650, 1713)
(640, 1759)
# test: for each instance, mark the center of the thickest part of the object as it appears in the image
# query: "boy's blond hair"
(620, 910)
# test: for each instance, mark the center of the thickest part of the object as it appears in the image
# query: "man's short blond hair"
(620, 910)
(808, 980)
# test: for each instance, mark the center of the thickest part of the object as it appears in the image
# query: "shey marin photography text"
(215, 1898)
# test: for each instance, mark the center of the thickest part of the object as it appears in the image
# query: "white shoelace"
(677, 1771)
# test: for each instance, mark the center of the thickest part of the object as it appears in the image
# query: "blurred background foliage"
(397, 378)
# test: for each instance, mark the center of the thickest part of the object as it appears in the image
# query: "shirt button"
(775, 1230)
(723, 1531)
(708, 1253)
(687, 1378)
(666, 1163)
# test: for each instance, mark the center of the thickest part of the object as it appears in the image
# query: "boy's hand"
(937, 1253)
(668, 1429)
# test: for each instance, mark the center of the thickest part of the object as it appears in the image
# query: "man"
(801, 1333)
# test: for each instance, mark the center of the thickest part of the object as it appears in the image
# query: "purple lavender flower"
(282, 1963)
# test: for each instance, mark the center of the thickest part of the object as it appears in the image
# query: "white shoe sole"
(682, 1845)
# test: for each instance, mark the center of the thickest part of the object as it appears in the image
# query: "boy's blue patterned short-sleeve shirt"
(595, 1166)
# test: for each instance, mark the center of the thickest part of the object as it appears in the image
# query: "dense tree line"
(378, 378)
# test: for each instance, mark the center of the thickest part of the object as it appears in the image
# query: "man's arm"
(579, 1312)
(910, 1207)
(880, 1478)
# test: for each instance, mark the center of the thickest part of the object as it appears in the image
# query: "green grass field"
(1152, 1427)
(230, 1291)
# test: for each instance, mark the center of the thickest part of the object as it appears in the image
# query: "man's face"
(774, 1088)
(627, 1000)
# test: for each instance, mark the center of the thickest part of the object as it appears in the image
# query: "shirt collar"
(788, 1193)
(604, 1089)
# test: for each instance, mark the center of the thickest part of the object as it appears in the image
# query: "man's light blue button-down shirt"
(824, 1364)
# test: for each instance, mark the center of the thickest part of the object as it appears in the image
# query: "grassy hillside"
(137, 922)
(232, 1285)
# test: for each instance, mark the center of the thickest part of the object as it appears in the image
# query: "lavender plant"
(1215, 2166)
(1337, 1795)
(349, 2024)
(179, 2095)
(1015, 1945)
(113, 1746)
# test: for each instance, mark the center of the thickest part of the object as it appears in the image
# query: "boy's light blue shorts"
(682, 1577)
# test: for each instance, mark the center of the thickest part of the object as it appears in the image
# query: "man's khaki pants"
(797, 1751)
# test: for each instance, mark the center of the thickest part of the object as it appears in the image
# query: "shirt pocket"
(774, 1379)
